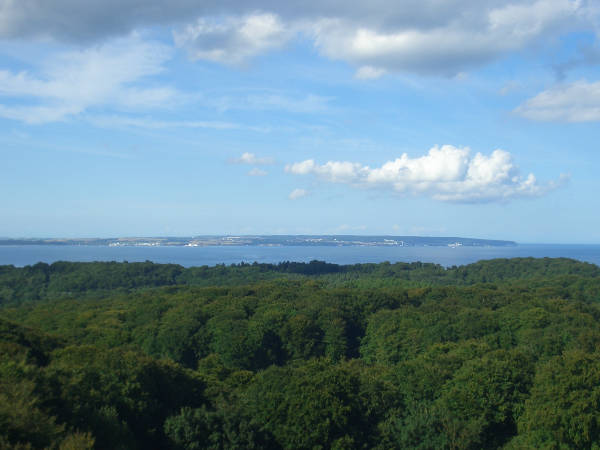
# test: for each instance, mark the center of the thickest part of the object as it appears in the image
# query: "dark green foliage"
(68, 279)
(564, 406)
(480, 406)
(501, 353)
(318, 404)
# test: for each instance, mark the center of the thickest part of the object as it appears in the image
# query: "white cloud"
(297, 193)
(251, 159)
(445, 173)
(73, 82)
(332, 171)
(418, 36)
(473, 34)
(256, 172)
(574, 102)
(118, 121)
(233, 40)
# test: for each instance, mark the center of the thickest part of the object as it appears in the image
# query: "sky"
(414, 117)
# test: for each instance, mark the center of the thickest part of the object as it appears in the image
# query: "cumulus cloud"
(419, 36)
(72, 82)
(251, 159)
(469, 36)
(445, 173)
(445, 39)
(573, 102)
(297, 193)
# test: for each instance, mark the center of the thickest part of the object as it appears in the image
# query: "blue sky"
(462, 118)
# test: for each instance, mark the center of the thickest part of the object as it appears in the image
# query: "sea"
(23, 255)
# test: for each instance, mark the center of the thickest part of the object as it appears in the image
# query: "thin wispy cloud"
(273, 101)
(445, 173)
(510, 87)
(571, 102)
(297, 194)
(121, 121)
(70, 83)
(252, 159)
(256, 172)
(369, 73)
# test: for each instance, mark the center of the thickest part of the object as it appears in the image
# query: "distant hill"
(269, 240)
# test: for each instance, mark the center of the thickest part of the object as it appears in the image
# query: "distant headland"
(268, 240)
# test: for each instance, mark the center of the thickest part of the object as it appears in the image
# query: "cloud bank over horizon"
(446, 173)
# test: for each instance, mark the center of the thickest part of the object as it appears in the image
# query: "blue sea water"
(22, 255)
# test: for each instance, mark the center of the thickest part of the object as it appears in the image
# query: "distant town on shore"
(267, 240)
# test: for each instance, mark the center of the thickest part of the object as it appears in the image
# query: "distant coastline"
(268, 240)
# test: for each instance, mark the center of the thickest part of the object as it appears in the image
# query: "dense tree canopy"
(502, 353)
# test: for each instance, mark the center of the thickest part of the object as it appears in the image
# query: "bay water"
(22, 255)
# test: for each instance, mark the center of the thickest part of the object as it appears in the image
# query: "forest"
(498, 354)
